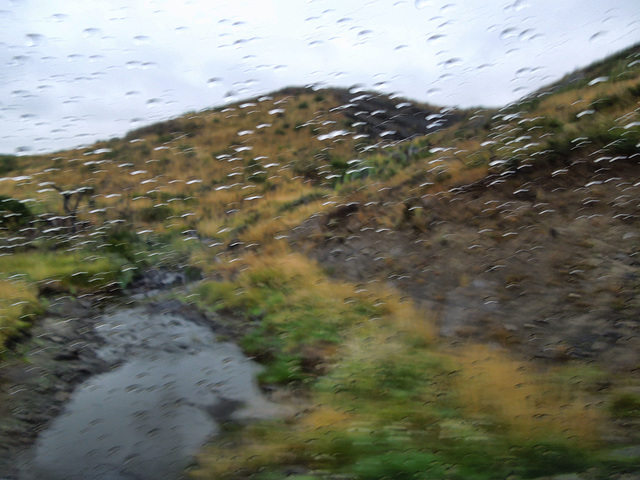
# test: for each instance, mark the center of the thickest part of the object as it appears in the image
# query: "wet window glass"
(316, 239)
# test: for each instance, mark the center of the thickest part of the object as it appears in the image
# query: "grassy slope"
(384, 396)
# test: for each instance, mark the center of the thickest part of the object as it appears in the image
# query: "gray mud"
(130, 392)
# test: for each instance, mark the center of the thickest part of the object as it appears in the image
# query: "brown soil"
(546, 262)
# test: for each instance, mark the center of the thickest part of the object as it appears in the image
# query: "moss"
(625, 405)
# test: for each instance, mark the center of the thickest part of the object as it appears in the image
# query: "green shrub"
(13, 213)
(406, 465)
(155, 214)
(122, 241)
(545, 459)
(603, 104)
(8, 163)
(634, 91)
(626, 405)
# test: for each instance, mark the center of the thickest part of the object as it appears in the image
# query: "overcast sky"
(75, 71)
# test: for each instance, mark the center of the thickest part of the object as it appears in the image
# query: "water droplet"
(598, 35)
(214, 82)
(142, 40)
(598, 80)
(91, 32)
(631, 125)
(420, 4)
(34, 39)
(508, 33)
(334, 134)
(19, 60)
(451, 62)
(585, 112)
(435, 38)
(526, 34)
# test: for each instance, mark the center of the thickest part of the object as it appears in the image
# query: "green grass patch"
(300, 314)
(385, 406)
(78, 269)
(625, 405)
(18, 306)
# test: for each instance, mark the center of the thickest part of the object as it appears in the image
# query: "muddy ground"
(546, 264)
(39, 378)
(60, 352)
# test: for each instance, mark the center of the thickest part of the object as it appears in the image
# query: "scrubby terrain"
(439, 293)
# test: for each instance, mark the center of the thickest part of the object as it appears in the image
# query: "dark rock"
(52, 288)
(340, 213)
(68, 355)
(223, 411)
(379, 114)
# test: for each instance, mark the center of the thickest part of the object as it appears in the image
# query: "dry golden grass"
(224, 462)
(493, 386)
(566, 105)
(401, 314)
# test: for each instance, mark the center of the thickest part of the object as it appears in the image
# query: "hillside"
(438, 292)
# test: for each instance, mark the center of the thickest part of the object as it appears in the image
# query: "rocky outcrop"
(381, 116)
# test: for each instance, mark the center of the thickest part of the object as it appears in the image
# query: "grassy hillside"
(440, 293)
(240, 176)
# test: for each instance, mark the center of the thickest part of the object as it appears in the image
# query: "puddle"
(148, 417)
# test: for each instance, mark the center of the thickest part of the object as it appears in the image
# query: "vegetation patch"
(13, 213)
(382, 402)
(18, 306)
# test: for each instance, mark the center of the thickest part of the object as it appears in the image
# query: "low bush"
(626, 405)
(8, 163)
(155, 214)
(13, 213)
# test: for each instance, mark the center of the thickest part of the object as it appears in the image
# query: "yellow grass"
(492, 385)
(16, 297)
